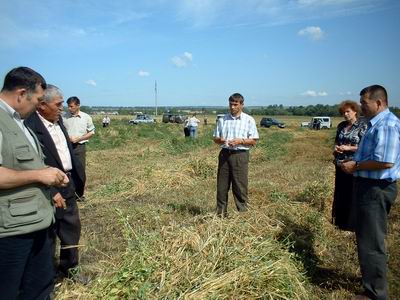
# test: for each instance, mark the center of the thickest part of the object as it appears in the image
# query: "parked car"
(320, 123)
(268, 122)
(305, 124)
(173, 118)
(141, 119)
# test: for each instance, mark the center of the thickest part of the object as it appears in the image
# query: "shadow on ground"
(301, 242)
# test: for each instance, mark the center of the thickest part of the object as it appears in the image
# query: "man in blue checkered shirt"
(376, 167)
(236, 133)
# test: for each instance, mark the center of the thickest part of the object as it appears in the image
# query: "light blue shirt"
(381, 143)
(242, 127)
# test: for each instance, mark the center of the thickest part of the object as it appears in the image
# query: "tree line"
(270, 110)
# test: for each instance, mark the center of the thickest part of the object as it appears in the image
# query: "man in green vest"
(26, 210)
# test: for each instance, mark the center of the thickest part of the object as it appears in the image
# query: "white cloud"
(188, 55)
(143, 73)
(348, 93)
(312, 32)
(91, 82)
(183, 60)
(311, 93)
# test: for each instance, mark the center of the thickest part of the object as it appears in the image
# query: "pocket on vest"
(21, 211)
(23, 153)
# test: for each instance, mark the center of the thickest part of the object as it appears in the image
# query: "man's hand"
(59, 201)
(348, 166)
(53, 177)
(235, 142)
(74, 139)
(219, 141)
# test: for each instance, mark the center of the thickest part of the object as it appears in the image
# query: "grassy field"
(149, 229)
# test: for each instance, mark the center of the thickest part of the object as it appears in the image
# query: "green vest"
(26, 208)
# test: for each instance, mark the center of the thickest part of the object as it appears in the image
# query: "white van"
(320, 123)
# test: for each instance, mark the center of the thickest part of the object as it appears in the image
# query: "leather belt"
(232, 151)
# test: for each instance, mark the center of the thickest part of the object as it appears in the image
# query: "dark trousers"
(232, 169)
(343, 203)
(374, 199)
(68, 230)
(26, 266)
(80, 153)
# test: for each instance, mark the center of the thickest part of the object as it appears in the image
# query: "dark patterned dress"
(342, 208)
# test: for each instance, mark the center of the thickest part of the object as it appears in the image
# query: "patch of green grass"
(274, 144)
(176, 145)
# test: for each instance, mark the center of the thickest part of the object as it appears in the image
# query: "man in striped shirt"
(376, 167)
(236, 133)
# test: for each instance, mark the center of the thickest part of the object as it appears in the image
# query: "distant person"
(236, 132)
(193, 124)
(80, 129)
(186, 130)
(318, 124)
(314, 124)
(348, 136)
(106, 121)
(47, 124)
(205, 121)
(26, 261)
(376, 167)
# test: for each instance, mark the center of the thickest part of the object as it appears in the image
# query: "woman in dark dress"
(348, 136)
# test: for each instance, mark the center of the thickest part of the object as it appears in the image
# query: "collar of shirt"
(78, 115)
(236, 118)
(46, 123)
(379, 117)
(11, 111)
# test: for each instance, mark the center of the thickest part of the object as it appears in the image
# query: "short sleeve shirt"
(381, 143)
(78, 125)
(243, 127)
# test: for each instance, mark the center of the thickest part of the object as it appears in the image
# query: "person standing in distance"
(47, 124)
(26, 260)
(236, 132)
(193, 125)
(376, 167)
(80, 129)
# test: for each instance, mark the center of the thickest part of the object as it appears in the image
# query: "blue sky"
(292, 52)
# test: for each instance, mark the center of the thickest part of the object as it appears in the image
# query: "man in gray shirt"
(26, 207)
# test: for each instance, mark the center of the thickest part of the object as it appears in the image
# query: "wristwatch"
(357, 165)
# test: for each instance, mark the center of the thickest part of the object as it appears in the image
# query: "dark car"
(173, 118)
(268, 122)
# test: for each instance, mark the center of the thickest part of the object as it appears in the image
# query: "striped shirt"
(381, 143)
(242, 127)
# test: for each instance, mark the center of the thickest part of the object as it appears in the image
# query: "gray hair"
(50, 92)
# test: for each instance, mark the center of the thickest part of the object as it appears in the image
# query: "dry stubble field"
(149, 231)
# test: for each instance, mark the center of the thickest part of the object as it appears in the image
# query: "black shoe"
(81, 199)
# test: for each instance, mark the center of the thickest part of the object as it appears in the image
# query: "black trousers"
(232, 170)
(68, 229)
(80, 153)
(26, 266)
(343, 203)
(374, 199)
